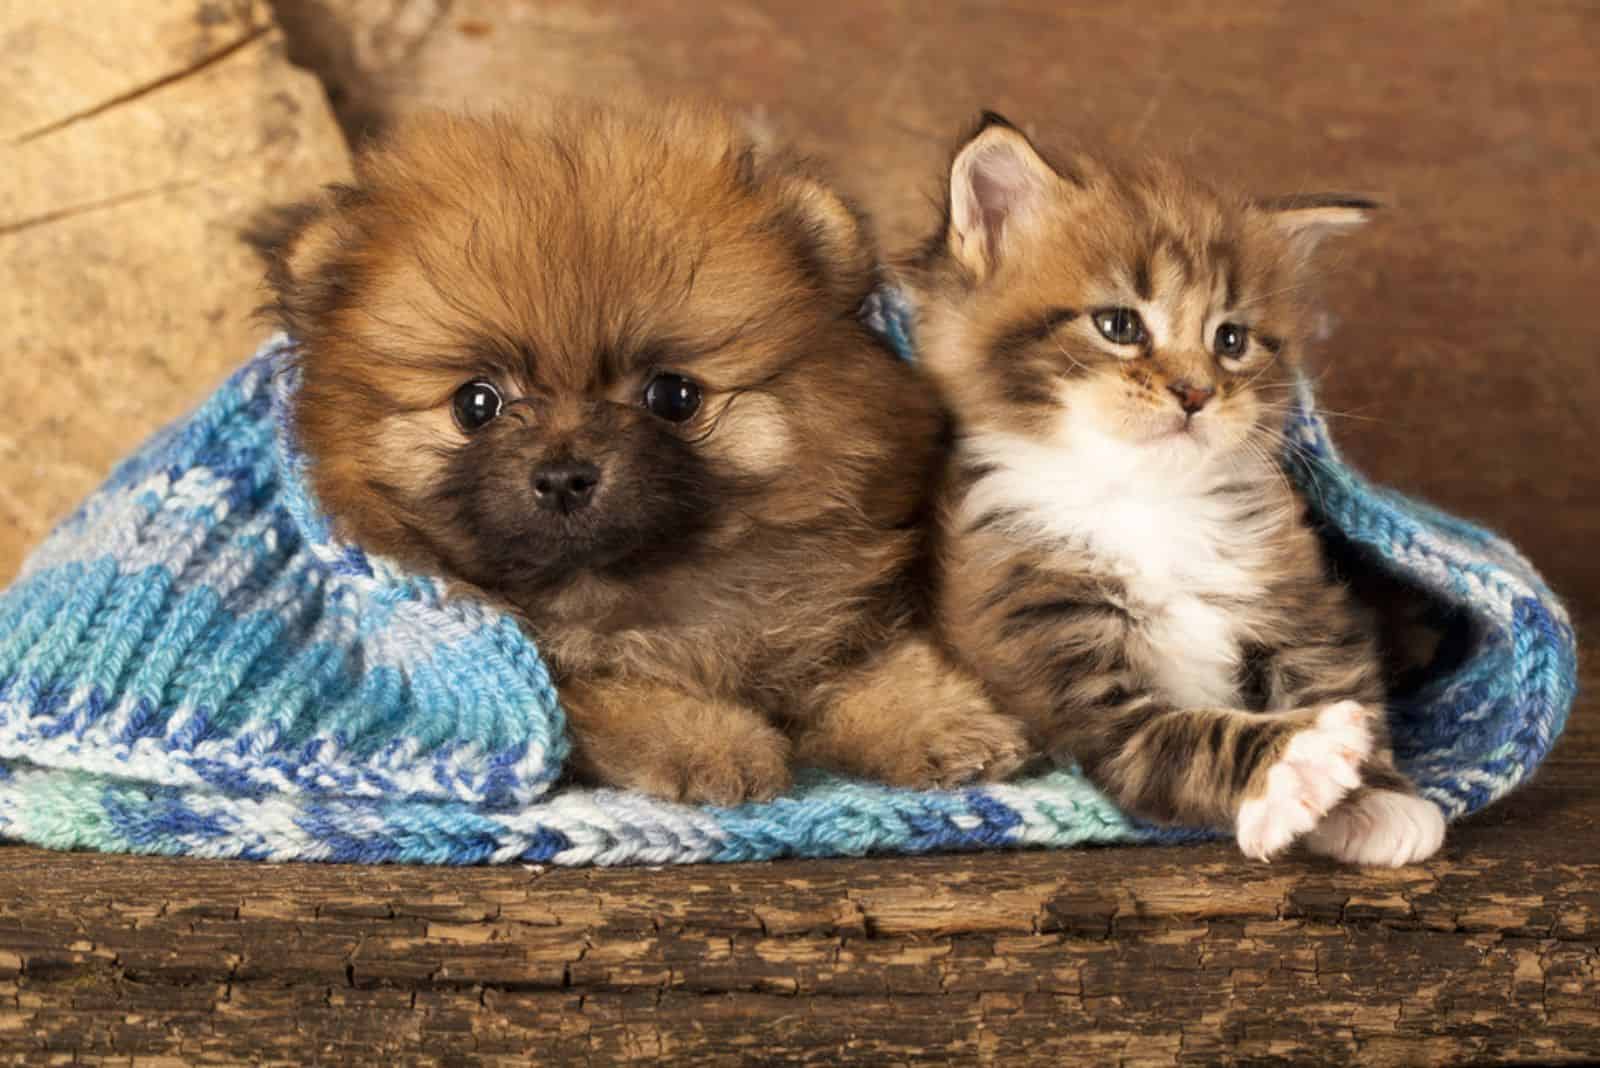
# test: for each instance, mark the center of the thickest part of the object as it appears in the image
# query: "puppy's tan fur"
(742, 584)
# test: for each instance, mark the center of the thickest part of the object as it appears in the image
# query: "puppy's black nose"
(566, 485)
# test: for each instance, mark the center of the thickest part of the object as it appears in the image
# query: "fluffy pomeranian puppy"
(605, 367)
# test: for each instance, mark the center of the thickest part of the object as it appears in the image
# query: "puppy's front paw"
(674, 745)
(979, 746)
(759, 773)
(744, 760)
(913, 719)
(1319, 766)
(1380, 828)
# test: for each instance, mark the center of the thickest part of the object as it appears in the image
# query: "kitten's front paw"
(1319, 766)
(1380, 828)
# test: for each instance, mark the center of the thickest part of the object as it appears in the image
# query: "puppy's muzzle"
(565, 486)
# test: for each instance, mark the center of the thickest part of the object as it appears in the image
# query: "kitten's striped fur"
(1124, 562)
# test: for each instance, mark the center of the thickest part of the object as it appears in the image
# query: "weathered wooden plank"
(1140, 956)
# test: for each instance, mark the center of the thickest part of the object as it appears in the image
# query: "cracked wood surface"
(1489, 952)
(1135, 956)
(136, 138)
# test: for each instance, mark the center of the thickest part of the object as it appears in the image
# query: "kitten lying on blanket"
(606, 367)
(1124, 562)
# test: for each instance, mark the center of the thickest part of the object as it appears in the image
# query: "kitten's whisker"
(1269, 365)
(1329, 413)
(1260, 298)
(1272, 463)
(1079, 364)
(1278, 438)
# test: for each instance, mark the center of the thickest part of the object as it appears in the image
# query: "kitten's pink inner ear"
(997, 185)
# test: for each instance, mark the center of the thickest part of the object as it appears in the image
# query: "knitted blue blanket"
(194, 664)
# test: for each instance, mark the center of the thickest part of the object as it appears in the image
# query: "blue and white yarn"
(193, 664)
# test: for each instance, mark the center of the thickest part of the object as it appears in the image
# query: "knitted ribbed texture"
(192, 663)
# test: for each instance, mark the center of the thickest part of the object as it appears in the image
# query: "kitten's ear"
(998, 186)
(1307, 219)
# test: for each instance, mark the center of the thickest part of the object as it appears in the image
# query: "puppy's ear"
(833, 237)
(1307, 219)
(999, 185)
(300, 245)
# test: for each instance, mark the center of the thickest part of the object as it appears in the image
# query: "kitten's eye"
(672, 397)
(475, 404)
(1120, 326)
(1231, 340)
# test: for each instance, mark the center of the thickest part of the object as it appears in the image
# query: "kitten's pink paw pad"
(1319, 766)
(1382, 828)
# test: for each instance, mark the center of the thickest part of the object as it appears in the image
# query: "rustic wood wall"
(1463, 344)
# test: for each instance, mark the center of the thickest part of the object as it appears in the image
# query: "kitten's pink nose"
(1191, 398)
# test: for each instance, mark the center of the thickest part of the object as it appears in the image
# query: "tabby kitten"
(1125, 563)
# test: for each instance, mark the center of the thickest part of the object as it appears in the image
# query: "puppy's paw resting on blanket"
(910, 718)
(675, 745)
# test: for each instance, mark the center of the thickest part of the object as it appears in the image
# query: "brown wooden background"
(1465, 335)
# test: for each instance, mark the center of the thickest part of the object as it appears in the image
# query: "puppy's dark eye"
(1231, 340)
(475, 404)
(1120, 326)
(672, 397)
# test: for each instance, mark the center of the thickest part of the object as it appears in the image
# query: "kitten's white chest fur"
(1155, 521)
